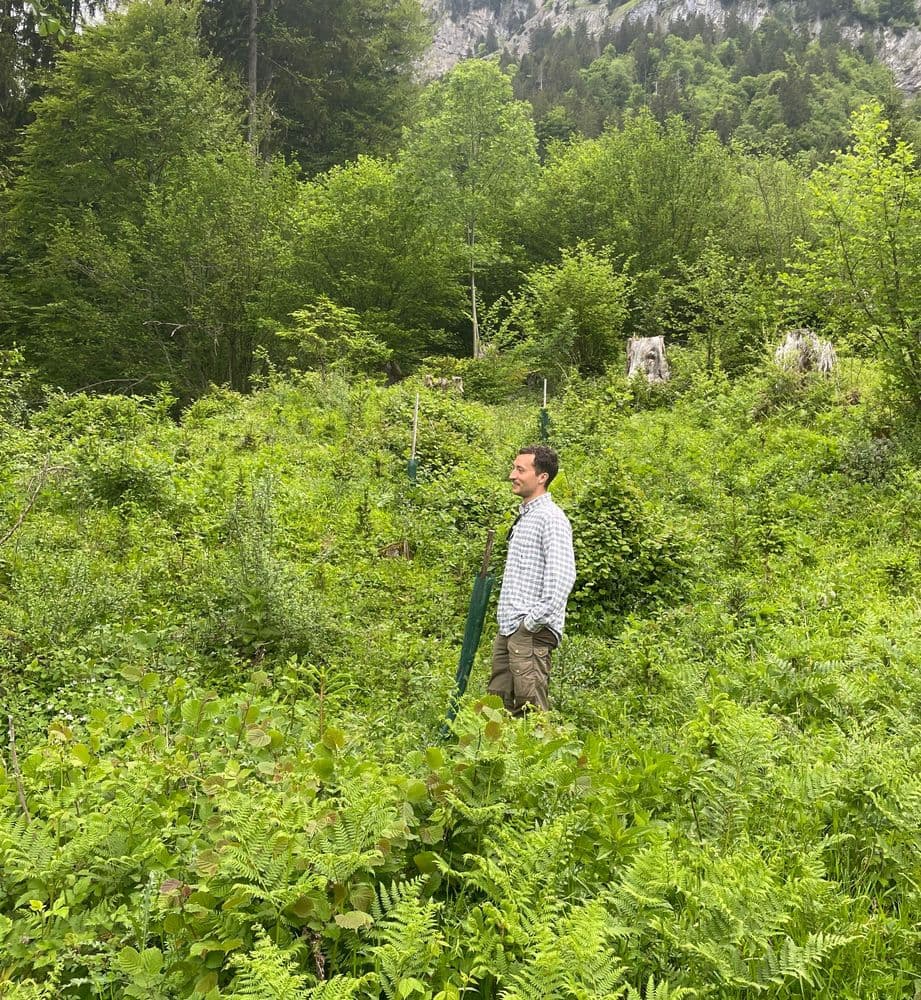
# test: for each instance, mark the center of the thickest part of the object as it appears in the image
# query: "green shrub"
(122, 476)
(627, 555)
(570, 314)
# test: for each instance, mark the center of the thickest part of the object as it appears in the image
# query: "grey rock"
(516, 20)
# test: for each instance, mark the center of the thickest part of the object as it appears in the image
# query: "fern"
(407, 931)
(645, 885)
(659, 991)
(347, 842)
(27, 990)
(30, 849)
(800, 962)
(50, 989)
(268, 973)
(569, 957)
(340, 988)
(260, 858)
(389, 897)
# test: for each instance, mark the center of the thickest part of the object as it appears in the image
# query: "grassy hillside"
(227, 698)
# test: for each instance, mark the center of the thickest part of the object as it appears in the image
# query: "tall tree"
(367, 244)
(326, 79)
(472, 156)
(132, 96)
(31, 34)
(649, 191)
(864, 274)
(131, 99)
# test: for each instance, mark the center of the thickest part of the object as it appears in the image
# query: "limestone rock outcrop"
(462, 26)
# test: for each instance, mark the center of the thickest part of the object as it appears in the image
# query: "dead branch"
(35, 487)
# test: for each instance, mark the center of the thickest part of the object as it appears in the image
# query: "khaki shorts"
(521, 669)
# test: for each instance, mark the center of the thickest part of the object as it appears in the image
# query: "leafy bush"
(627, 556)
(570, 314)
(122, 476)
(15, 382)
(328, 335)
(800, 394)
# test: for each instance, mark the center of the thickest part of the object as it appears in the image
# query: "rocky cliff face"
(463, 25)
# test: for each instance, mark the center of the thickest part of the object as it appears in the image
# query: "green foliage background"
(227, 698)
(230, 624)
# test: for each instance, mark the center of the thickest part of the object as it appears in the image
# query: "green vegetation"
(148, 241)
(771, 88)
(227, 698)
(229, 624)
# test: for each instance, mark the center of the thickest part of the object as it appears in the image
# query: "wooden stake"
(14, 757)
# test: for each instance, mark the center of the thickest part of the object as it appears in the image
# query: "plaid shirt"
(539, 571)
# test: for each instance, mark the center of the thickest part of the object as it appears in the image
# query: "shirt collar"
(531, 504)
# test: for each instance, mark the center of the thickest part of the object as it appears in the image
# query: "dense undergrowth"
(227, 696)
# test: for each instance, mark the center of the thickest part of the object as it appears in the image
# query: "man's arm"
(559, 573)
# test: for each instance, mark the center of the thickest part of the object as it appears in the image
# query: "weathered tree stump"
(453, 384)
(646, 355)
(804, 351)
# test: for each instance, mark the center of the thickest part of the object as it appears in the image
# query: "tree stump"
(454, 383)
(804, 351)
(646, 355)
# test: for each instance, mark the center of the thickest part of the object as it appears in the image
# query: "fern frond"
(569, 957)
(408, 935)
(267, 973)
(659, 991)
(388, 897)
(340, 988)
(800, 962)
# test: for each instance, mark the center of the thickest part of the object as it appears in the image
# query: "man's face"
(526, 481)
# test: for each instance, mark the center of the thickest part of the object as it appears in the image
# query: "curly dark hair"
(545, 459)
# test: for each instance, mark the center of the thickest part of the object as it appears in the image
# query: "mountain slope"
(889, 29)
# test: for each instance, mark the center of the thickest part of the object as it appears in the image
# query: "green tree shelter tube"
(544, 418)
(473, 629)
(412, 465)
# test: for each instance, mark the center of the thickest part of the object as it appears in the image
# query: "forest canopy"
(170, 236)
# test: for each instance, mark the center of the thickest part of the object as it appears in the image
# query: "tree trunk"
(476, 325)
(473, 313)
(253, 69)
(646, 356)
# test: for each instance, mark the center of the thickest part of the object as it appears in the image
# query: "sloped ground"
(227, 701)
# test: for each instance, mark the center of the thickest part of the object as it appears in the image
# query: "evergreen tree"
(31, 35)
(327, 79)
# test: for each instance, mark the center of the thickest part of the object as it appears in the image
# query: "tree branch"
(35, 487)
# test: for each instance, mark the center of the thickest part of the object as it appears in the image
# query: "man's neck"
(533, 497)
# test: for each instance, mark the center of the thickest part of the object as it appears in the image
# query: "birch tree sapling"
(470, 157)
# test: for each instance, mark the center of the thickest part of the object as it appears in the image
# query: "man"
(539, 573)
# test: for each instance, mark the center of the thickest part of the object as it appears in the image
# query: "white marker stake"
(415, 425)
(545, 394)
